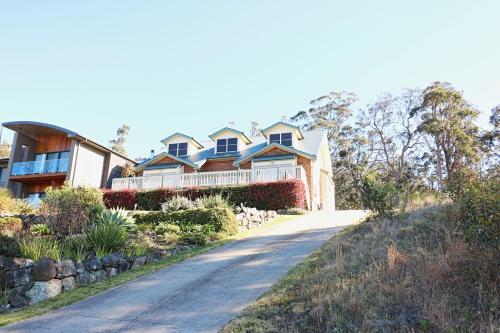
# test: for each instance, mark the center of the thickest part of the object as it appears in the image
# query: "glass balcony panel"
(40, 167)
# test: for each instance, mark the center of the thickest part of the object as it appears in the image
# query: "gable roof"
(293, 127)
(267, 147)
(141, 166)
(189, 138)
(239, 133)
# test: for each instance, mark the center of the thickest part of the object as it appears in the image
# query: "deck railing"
(40, 167)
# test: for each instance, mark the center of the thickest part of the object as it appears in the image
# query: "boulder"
(22, 263)
(68, 283)
(17, 278)
(93, 264)
(111, 260)
(80, 267)
(111, 271)
(44, 290)
(153, 257)
(123, 266)
(44, 270)
(138, 262)
(17, 297)
(65, 268)
(84, 279)
(100, 275)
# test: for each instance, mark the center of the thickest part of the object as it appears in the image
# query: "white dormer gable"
(283, 133)
(228, 140)
(179, 144)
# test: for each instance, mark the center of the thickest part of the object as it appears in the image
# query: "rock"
(138, 262)
(111, 261)
(100, 275)
(123, 266)
(17, 297)
(84, 279)
(80, 267)
(17, 278)
(68, 283)
(153, 257)
(93, 264)
(22, 263)
(44, 270)
(44, 290)
(65, 268)
(111, 271)
(4, 308)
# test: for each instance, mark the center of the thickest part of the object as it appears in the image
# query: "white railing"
(40, 167)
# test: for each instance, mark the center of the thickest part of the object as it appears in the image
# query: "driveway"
(200, 294)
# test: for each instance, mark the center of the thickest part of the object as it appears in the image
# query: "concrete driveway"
(200, 294)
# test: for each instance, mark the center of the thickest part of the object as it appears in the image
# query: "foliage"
(126, 199)
(9, 247)
(70, 210)
(194, 238)
(75, 247)
(106, 238)
(117, 216)
(21, 206)
(378, 196)
(167, 228)
(6, 201)
(128, 170)
(39, 229)
(222, 219)
(4, 150)
(137, 246)
(293, 211)
(176, 203)
(118, 144)
(38, 247)
(213, 201)
(259, 195)
(479, 216)
(10, 226)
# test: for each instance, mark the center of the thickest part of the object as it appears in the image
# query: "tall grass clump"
(36, 248)
(176, 203)
(75, 247)
(106, 238)
(213, 201)
(117, 216)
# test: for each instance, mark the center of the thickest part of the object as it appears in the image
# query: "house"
(4, 163)
(283, 151)
(45, 155)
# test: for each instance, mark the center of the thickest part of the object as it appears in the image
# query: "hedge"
(265, 196)
(10, 226)
(222, 219)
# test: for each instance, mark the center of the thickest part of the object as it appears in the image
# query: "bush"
(6, 201)
(36, 248)
(167, 228)
(213, 201)
(10, 226)
(126, 199)
(117, 216)
(176, 203)
(39, 230)
(265, 196)
(70, 210)
(136, 247)
(479, 217)
(106, 239)
(293, 211)
(194, 238)
(222, 219)
(75, 247)
(378, 196)
(9, 247)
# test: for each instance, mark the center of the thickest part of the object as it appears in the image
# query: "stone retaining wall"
(251, 218)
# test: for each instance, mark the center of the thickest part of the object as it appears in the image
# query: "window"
(178, 149)
(284, 139)
(227, 145)
(51, 162)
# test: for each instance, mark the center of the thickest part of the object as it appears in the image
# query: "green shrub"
(167, 228)
(222, 219)
(194, 238)
(293, 211)
(106, 239)
(75, 247)
(136, 247)
(206, 229)
(117, 216)
(170, 238)
(9, 247)
(6, 201)
(479, 217)
(176, 203)
(39, 230)
(213, 201)
(36, 248)
(70, 210)
(10, 226)
(21, 206)
(378, 196)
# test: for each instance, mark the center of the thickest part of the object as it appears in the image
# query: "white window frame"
(281, 138)
(226, 145)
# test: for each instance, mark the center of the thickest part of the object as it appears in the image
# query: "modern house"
(45, 155)
(283, 151)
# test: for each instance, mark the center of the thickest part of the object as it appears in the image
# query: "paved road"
(200, 294)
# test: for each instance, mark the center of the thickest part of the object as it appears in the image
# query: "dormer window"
(284, 139)
(178, 149)
(227, 145)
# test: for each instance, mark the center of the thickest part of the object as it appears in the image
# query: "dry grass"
(385, 275)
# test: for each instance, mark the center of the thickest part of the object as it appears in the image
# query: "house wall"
(192, 149)
(87, 166)
(284, 129)
(187, 168)
(52, 143)
(40, 187)
(218, 165)
(113, 168)
(18, 154)
(228, 135)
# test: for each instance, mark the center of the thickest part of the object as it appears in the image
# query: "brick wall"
(218, 165)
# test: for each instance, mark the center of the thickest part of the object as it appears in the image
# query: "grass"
(82, 293)
(385, 275)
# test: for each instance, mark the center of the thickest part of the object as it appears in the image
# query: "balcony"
(40, 167)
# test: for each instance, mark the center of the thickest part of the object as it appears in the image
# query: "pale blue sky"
(193, 66)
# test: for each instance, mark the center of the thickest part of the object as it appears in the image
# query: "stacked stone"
(251, 218)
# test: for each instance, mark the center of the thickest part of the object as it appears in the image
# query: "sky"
(195, 66)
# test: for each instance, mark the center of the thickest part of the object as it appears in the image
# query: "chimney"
(152, 153)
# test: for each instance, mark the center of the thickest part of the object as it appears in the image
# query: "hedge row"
(266, 196)
(222, 219)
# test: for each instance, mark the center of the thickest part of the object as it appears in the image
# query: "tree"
(448, 121)
(254, 129)
(4, 150)
(118, 144)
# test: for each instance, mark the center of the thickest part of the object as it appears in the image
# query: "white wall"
(192, 149)
(89, 166)
(229, 135)
(280, 128)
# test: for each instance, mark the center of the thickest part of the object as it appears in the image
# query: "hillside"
(385, 275)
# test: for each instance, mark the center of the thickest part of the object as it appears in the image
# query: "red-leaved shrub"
(123, 199)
